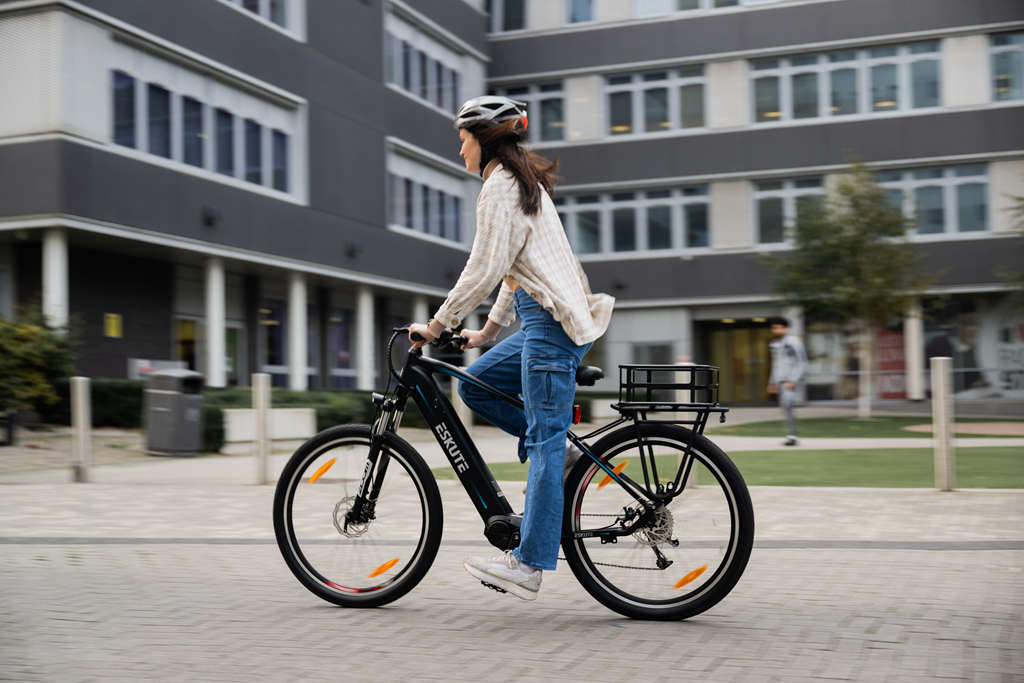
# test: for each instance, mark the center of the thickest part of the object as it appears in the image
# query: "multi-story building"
(269, 185)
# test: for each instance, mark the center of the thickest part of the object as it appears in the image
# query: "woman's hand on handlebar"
(424, 334)
(475, 338)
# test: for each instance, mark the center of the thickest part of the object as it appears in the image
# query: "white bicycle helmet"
(490, 109)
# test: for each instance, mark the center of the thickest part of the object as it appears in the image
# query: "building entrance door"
(741, 350)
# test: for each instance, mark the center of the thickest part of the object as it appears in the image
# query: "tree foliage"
(32, 356)
(850, 261)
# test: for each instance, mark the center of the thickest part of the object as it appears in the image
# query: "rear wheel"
(362, 564)
(683, 557)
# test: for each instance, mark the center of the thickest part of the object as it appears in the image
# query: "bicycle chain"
(609, 564)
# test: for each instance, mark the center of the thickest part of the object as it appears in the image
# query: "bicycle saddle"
(586, 375)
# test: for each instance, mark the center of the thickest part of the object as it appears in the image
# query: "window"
(192, 131)
(1007, 66)
(940, 200)
(253, 152)
(506, 15)
(428, 77)
(580, 10)
(271, 10)
(779, 202)
(339, 349)
(647, 8)
(656, 101)
(415, 205)
(636, 221)
(544, 109)
(279, 145)
(158, 103)
(225, 123)
(845, 82)
(124, 109)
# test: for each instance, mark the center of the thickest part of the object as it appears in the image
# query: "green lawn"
(887, 426)
(988, 467)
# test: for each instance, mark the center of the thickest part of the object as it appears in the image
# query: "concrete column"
(472, 322)
(684, 335)
(216, 347)
(795, 315)
(913, 351)
(421, 314)
(366, 341)
(55, 277)
(298, 332)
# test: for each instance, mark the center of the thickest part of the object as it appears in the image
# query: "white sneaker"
(791, 440)
(505, 574)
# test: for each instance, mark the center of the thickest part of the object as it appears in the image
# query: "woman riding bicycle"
(521, 243)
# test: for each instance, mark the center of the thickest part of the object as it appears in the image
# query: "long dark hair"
(502, 142)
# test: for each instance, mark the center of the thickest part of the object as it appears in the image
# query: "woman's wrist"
(434, 327)
(491, 330)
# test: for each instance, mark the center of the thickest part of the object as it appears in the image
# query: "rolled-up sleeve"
(495, 247)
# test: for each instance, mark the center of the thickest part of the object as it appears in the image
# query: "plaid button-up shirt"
(533, 251)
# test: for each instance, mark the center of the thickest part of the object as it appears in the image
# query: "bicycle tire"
(425, 512)
(734, 547)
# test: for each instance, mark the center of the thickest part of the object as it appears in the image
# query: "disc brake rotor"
(352, 529)
(659, 531)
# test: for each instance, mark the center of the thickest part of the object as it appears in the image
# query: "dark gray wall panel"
(734, 31)
(108, 187)
(967, 262)
(457, 17)
(764, 149)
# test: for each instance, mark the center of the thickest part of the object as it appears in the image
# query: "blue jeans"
(539, 362)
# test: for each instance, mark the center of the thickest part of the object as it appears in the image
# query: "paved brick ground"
(119, 582)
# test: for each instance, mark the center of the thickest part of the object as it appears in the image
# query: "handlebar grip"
(416, 336)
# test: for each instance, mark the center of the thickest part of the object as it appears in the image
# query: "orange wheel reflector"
(323, 468)
(384, 567)
(618, 470)
(690, 577)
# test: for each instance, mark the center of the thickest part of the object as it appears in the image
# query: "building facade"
(271, 185)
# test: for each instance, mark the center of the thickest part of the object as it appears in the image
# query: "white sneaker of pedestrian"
(791, 440)
(506, 574)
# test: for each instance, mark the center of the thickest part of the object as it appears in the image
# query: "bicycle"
(358, 516)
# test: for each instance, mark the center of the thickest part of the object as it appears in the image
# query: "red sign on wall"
(892, 366)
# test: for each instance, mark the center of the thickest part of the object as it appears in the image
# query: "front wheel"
(677, 560)
(372, 561)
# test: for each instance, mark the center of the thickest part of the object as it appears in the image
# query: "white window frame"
(704, 6)
(948, 181)
(636, 87)
(788, 194)
(294, 16)
(421, 43)
(676, 201)
(1002, 49)
(862, 64)
(430, 177)
(533, 97)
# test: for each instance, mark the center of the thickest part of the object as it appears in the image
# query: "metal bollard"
(942, 423)
(261, 424)
(81, 429)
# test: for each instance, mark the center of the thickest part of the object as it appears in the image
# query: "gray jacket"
(789, 360)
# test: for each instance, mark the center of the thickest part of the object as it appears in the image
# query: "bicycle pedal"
(493, 587)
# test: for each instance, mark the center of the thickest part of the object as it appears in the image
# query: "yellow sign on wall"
(112, 325)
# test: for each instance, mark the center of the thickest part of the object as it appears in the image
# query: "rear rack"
(686, 389)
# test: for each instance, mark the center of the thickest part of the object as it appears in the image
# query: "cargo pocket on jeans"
(549, 382)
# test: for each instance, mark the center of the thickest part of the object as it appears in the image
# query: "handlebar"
(446, 338)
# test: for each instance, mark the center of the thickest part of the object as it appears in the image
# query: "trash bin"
(8, 425)
(174, 412)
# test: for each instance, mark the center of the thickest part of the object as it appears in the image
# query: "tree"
(32, 356)
(851, 263)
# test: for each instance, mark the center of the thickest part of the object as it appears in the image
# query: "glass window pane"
(842, 56)
(624, 229)
(512, 16)
(456, 91)
(159, 115)
(124, 109)
(768, 185)
(253, 152)
(252, 5)
(659, 227)
(888, 176)
(769, 220)
(225, 142)
(552, 120)
(619, 80)
(767, 63)
(972, 206)
(926, 173)
(655, 76)
(588, 232)
(691, 71)
(894, 198)
(656, 110)
(457, 230)
(395, 198)
(844, 92)
(407, 56)
(192, 131)
(439, 84)
(623, 196)
(688, 4)
(424, 73)
(927, 46)
(803, 60)
(930, 213)
(280, 143)
(551, 87)
(277, 14)
(726, 3)
(1008, 75)
(658, 194)
(588, 199)
(814, 181)
(924, 83)
(766, 98)
(809, 205)
(805, 96)
(1008, 39)
(620, 105)
(410, 204)
(969, 169)
(691, 106)
(882, 52)
(695, 190)
(644, 8)
(885, 89)
(696, 225)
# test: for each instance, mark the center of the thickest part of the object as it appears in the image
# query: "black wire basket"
(659, 389)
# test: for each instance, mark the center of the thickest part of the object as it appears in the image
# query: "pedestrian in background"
(789, 363)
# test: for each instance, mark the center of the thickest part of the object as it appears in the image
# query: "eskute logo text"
(454, 454)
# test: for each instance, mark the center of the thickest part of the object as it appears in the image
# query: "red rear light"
(577, 414)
